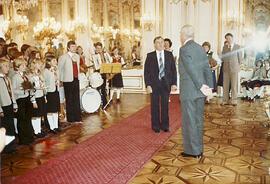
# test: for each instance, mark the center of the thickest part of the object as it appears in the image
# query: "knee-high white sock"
(51, 121)
(251, 93)
(244, 90)
(36, 123)
(111, 94)
(268, 113)
(16, 125)
(118, 93)
(55, 120)
(261, 91)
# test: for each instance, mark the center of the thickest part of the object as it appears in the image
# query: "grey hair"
(188, 31)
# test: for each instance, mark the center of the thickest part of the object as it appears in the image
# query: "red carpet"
(113, 156)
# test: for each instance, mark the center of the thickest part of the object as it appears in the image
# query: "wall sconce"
(233, 19)
(147, 22)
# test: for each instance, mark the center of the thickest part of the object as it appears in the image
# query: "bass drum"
(90, 100)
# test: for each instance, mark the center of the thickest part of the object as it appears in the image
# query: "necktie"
(161, 67)
(102, 58)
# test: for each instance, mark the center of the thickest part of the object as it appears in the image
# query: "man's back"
(194, 70)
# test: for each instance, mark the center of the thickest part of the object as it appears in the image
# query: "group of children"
(28, 96)
(254, 87)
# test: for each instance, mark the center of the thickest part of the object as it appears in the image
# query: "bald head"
(187, 32)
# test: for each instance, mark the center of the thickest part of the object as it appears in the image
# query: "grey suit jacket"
(18, 90)
(65, 67)
(49, 80)
(264, 75)
(5, 99)
(231, 58)
(194, 71)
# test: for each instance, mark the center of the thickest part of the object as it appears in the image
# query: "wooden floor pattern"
(34, 155)
(236, 148)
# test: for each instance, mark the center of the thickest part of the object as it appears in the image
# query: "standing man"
(160, 78)
(100, 57)
(231, 57)
(195, 80)
(69, 65)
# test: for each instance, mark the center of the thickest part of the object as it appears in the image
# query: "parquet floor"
(236, 149)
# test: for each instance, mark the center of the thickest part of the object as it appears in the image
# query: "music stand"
(110, 69)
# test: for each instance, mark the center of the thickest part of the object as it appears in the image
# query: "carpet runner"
(113, 156)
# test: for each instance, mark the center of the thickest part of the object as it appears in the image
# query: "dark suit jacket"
(151, 70)
(194, 71)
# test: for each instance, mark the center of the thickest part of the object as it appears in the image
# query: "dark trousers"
(192, 112)
(266, 82)
(8, 120)
(72, 95)
(160, 97)
(255, 83)
(8, 123)
(24, 116)
(102, 90)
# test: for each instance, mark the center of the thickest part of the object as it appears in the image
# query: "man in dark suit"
(195, 79)
(160, 78)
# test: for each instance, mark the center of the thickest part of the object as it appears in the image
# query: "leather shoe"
(156, 131)
(166, 130)
(189, 155)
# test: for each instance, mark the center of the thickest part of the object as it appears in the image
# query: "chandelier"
(6, 29)
(48, 28)
(20, 4)
(147, 21)
(75, 26)
(21, 23)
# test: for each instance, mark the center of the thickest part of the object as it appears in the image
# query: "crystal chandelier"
(47, 28)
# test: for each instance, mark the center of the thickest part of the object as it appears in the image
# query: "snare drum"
(95, 80)
(90, 100)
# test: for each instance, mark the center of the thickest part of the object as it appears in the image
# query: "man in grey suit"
(195, 84)
(231, 57)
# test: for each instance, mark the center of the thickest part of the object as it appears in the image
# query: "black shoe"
(118, 100)
(189, 155)
(39, 135)
(58, 130)
(53, 131)
(165, 130)
(10, 151)
(43, 134)
(156, 131)
(244, 98)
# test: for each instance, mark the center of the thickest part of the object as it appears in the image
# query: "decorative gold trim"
(155, 17)
(140, 78)
(161, 15)
(220, 11)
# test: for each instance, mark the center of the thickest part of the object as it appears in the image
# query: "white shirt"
(2, 75)
(70, 54)
(117, 57)
(231, 46)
